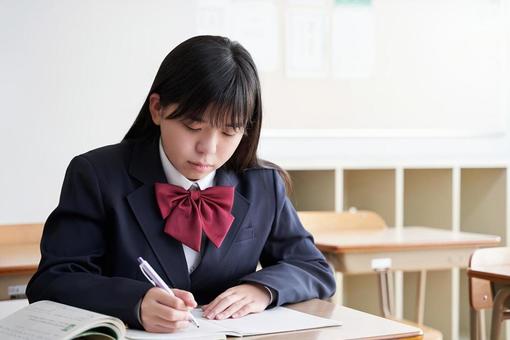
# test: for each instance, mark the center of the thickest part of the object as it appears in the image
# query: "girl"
(185, 191)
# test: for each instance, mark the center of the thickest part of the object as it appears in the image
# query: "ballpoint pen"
(157, 281)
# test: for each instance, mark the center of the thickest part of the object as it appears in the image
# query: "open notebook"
(276, 320)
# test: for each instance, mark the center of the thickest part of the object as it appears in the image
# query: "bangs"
(226, 100)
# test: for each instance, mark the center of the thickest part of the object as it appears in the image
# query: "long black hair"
(213, 74)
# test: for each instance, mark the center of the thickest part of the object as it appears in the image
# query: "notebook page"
(275, 320)
(207, 330)
(187, 334)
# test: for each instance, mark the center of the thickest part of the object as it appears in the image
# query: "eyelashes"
(195, 127)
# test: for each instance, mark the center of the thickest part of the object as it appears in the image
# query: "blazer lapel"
(146, 167)
(212, 256)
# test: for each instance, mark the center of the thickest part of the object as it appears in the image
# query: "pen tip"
(140, 260)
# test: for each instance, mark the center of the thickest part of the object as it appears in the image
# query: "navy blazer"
(107, 217)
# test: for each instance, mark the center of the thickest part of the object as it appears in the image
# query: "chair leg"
(497, 311)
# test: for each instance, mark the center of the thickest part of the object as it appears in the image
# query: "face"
(195, 148)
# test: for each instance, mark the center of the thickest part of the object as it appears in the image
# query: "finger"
(245, 310)
(223, 304)
(186, 297)
(169, 314)
(217, 300)
(157, 323)
(151, 308)
(165, 298)
(233, 308)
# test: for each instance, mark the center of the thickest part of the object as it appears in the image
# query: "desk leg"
(385, 295)
(420, 306)
(339, 295)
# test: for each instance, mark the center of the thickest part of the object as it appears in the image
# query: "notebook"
(275, 320)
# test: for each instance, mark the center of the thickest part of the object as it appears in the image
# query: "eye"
(192, 126)
(192, 129)
(231, 131)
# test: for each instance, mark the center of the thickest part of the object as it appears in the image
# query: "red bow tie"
(188, 212)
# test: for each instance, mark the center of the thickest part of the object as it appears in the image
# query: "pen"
(157, 281)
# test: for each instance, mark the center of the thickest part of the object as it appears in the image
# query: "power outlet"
(17, 291)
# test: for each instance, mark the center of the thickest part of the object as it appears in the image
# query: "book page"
(48, 320)
(276, 320)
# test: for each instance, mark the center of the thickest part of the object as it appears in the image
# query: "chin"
(195, 177)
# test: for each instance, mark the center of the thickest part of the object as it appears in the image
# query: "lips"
(200, 166)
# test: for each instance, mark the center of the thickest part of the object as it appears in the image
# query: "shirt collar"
(173, 176)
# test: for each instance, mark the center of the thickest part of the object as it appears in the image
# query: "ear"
(155, 108)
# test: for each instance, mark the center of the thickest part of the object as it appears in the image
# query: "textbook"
(48, 320)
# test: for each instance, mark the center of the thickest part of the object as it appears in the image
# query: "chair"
(482, 292)
(352, 220)
(347, 220)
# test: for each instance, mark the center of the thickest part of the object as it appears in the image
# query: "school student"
(184, 190)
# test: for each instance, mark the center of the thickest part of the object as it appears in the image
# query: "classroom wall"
(75, 73)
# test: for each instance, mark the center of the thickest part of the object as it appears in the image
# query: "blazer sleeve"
(291, 264)
(74, 252)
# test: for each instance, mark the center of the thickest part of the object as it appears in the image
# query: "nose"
(207, 143)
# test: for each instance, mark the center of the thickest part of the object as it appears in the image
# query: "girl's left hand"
(238, 301)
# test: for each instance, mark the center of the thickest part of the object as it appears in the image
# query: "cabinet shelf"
(465, 197)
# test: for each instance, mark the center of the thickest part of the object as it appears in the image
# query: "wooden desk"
(410, 248)
(19, 259)
(355, 324)
(19, 248)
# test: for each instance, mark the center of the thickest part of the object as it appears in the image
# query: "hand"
(161, 312)
(238, 301)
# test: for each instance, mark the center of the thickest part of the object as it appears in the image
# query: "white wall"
(75, 73)
(428, 66)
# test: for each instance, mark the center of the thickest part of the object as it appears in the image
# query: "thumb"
(185, 296)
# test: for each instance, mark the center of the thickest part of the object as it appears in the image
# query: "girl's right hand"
(161, 312)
